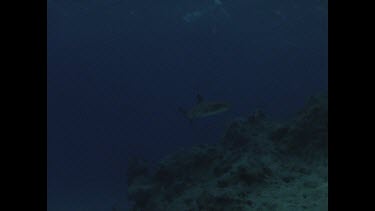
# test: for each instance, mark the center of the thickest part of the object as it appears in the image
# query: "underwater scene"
(187, 105)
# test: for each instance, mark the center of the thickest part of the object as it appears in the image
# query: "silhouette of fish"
(204, 108)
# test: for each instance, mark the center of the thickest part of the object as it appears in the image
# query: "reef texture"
(258, 165)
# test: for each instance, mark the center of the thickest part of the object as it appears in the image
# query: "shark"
(204, 108)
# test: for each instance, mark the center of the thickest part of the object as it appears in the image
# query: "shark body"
(204, 109)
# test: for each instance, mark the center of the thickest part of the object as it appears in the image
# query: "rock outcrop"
(258, 165)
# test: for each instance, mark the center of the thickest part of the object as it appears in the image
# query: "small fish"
(204, 108)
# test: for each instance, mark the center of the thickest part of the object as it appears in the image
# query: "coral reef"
(257, 165)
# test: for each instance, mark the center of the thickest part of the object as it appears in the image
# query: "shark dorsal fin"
(199, 98)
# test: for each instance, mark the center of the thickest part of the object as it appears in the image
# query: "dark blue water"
(119, 69)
